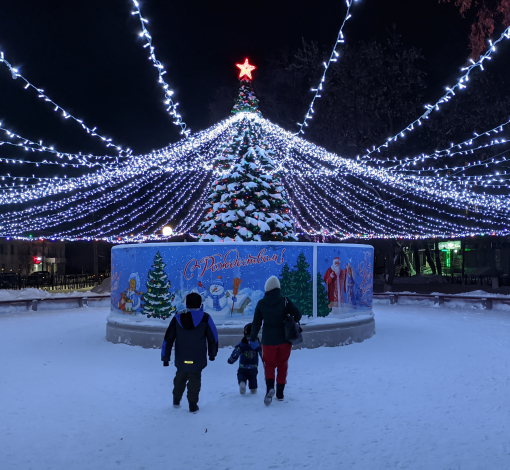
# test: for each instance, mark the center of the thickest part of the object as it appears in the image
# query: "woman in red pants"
(275, 348)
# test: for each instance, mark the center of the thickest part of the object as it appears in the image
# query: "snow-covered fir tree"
(246, 101)
(247, 201)
(158, 301)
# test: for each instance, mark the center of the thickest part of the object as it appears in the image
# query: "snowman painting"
(215, 297)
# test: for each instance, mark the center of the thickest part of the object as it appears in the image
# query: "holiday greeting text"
(231, 260)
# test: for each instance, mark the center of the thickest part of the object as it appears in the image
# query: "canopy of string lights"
(131, 198)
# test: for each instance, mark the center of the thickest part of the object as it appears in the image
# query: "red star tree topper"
(245, 69)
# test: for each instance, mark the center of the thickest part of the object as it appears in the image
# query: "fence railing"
(49, 281)
(487, 300)
(468, 279)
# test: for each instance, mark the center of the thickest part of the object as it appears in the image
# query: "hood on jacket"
(273, 296)
(190, 319)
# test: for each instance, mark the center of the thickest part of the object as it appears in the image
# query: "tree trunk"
(491, 253)
(463, 251)
(429, 258)
(390, 263)
(438, 261)
(96, 264)
(408, 262)
(417, 262)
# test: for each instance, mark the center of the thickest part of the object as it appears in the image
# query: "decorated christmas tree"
(157, 301)
(303, 286)
(247, 200)
(323, 309)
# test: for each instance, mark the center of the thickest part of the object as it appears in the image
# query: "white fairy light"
(172, 107)
(328, 194)
(135, 197)
(91, 131)
(445, 98)
(449, 152)
(332, 58)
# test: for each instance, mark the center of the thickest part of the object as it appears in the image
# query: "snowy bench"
(56, 303)
(439, 299)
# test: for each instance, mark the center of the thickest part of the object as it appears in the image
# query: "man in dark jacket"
(195, 337)
(275, 348)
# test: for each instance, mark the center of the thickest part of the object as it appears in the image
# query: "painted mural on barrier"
(154, 279)
(346, 274)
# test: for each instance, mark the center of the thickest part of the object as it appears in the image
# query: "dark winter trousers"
(276, 357)
(194, 382)
(249, 376)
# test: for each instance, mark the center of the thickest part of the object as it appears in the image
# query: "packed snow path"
(429, 391)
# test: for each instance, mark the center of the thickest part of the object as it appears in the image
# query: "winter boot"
(253, 391)
(279, 391)
(270, 392)
(193, 408)
(242, 388)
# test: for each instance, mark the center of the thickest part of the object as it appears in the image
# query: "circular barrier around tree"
(332, 285)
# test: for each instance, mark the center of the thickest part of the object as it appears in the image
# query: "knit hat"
(247, 329)
(272, 283)
(193, 300)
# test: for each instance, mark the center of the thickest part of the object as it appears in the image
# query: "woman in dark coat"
(275, 348)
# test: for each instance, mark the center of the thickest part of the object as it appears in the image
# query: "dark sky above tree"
(87, 56)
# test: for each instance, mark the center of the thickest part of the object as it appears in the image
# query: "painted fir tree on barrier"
(286, 283)
(297, 285)
(303, 286)
(157, 301)
(247, 201)
(323, 308)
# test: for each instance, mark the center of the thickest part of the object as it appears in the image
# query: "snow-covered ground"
(429, 391)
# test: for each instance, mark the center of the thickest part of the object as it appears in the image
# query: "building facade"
(26, 257)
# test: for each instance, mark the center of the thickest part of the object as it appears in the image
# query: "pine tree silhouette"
(286, 282)
(303, 286)
(323, 309)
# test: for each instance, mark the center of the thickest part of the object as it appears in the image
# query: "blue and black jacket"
(248, 357)
(195, 336)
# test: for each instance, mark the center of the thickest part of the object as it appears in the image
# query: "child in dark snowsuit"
(195, 337)
(248, 362)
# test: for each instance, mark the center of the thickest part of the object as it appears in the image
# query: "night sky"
(88, 57)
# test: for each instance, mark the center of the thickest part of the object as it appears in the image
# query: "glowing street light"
(167, 231)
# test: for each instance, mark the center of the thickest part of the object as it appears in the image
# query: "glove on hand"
(165, 363)
(212, 358)
(230, 361)
(254, 344)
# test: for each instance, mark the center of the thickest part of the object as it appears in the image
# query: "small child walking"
(248, 362)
